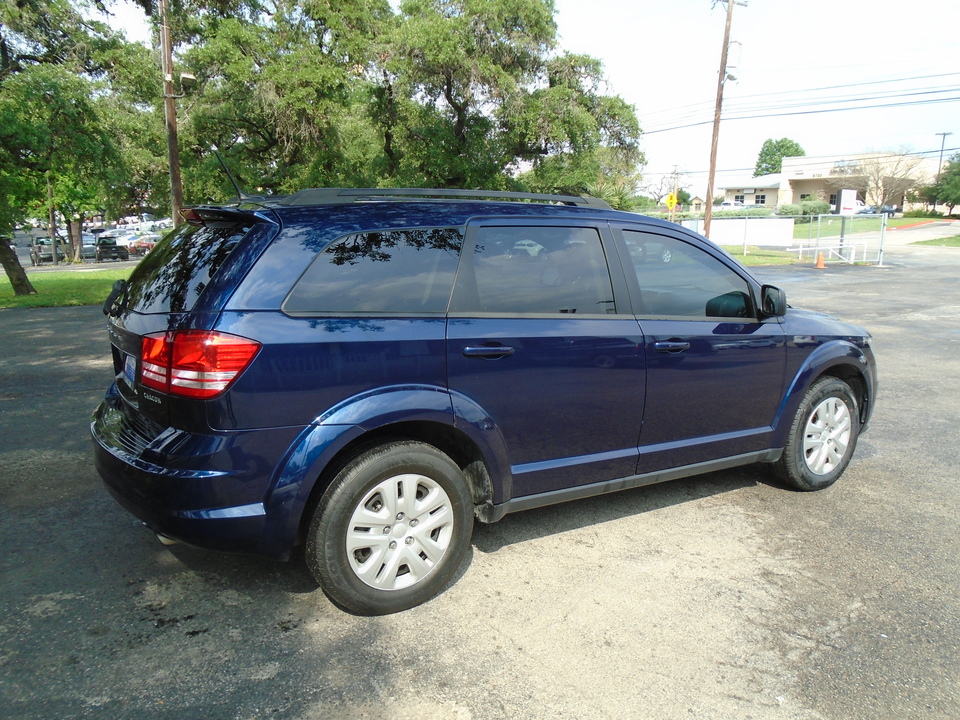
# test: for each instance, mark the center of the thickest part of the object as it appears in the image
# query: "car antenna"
(240, 194)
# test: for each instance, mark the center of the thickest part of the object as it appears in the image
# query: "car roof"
(357, 209)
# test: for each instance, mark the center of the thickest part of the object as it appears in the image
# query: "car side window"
(393, 271)
(537, 270)
(678, 279)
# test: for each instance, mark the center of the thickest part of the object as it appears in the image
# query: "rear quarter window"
(173, 276)
(386, 272)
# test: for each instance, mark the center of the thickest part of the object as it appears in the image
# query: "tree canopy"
(301, 93)
(947, 188)
(772, 153)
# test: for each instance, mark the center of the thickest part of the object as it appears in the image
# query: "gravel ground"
(723, 596)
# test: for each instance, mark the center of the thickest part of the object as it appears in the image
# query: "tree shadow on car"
(574, 515)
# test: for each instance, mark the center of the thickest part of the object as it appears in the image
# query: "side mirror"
(773, 301)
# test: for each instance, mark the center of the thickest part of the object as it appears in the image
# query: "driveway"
(722, 596)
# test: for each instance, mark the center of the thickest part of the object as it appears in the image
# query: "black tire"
(822, 437)
(414, 505)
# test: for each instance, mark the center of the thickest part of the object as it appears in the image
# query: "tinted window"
(398, 271)
(175, 273)
(539, 270)
(680, 280)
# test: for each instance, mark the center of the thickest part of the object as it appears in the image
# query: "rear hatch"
(176, 293)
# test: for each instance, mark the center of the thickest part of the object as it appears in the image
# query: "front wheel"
(392, 529)
(822, 437)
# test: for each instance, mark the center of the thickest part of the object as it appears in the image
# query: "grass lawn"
(941, 242)
(59, 289)
(759, 256)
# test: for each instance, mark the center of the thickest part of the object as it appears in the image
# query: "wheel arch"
(444, 437)
(339, 435)
(840, 359)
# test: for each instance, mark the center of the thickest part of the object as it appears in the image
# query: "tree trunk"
(54, 239)
(75, 233)
(15, 272)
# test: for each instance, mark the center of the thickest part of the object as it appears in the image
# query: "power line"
(736, 109)
(807, 112)
(816, 89)
(825, 163)
(706, 104)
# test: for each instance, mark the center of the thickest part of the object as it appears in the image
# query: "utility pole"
(943, 141)
(708, 215)
(170, 113)
(676, 193)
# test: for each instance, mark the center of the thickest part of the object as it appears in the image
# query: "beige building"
(872, 175)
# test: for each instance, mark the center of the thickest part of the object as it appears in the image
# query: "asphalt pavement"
(723, 596)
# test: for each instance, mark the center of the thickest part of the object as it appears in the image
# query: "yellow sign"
(671, 201)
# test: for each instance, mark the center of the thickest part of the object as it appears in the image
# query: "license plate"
(130, 370)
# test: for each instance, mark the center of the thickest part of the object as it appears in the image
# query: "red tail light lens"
(194, 363)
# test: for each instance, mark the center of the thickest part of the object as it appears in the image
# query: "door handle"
(487, 351)
(671, 346)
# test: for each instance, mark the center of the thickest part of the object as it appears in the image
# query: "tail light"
(194, 363)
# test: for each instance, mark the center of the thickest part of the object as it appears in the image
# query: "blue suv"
(366, 372)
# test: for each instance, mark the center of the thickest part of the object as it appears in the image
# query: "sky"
(787, 57)
(664, 58)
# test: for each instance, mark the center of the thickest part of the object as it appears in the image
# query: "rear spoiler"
(204, 216)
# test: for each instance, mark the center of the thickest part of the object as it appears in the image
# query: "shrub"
(789, 210)
(815, 207)
(923, 214)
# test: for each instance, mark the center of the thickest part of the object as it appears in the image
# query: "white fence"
(759, 231)
(856, 238)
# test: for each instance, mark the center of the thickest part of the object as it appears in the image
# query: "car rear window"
(175, 273)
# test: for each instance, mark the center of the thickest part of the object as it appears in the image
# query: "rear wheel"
(822, 437)
(391, 530)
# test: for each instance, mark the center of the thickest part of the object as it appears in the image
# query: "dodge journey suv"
(368, 372)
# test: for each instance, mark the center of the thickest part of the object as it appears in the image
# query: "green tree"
(772, 153)
(470, 91)
(58, 135)
(52, 141)
(282, 96)
(444, 93)
(948, 184)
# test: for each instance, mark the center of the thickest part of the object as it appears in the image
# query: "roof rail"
(340, 196)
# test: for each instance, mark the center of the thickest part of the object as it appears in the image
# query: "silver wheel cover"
(399, 532)
(827, 436)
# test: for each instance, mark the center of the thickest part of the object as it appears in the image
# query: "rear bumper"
(206, 490)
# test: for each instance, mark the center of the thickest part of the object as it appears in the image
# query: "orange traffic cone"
(820, 264)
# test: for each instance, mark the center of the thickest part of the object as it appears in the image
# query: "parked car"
(40, 251)
(143, 243)
(730, 205)
(887, 210)
(88, 246)
(125, 238)
(366, 372)
(108, 249)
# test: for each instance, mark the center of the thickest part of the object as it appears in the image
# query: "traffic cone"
(820, 264)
